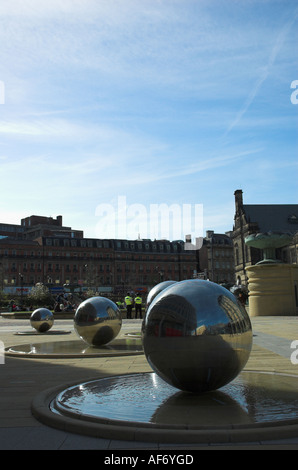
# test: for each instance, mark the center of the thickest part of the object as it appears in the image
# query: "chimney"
(238, 200)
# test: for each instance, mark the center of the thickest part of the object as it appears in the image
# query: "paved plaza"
(23, 378)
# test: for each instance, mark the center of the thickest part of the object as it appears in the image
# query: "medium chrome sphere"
(42, 320)
(157, 290)
(97, 321)
(197, 336)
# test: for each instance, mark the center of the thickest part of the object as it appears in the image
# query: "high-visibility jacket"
(128, 300)
(138, 300)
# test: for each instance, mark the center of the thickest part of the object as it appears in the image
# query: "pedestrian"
(138, 306)
(129, 303)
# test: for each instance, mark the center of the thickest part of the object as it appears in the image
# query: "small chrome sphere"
(97, 321)
(157, 290)
(42, 320)
(197, 336)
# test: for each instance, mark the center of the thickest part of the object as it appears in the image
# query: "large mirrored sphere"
(157, 290)
(196, 336)
(42, 319)
(97, 321)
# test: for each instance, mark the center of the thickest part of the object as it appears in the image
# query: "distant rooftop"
(36, 226)
(41, 220)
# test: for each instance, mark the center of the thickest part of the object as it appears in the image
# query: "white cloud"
(266, 70)
(157, 42)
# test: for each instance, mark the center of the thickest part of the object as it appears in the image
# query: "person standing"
(138, 306)
(129, 303)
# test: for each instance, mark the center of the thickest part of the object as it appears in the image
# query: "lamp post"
(2, 276)
(22, 288)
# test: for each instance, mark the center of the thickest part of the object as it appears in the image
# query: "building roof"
(217, 239)
(17, 241)
(273, 217)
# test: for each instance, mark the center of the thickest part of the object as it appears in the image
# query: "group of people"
(63, 303)
(14, 307)
(131, 302)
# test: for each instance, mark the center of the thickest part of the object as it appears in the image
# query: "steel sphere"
(157, 290)
(197, 336)
(42, 320)
(97, 321)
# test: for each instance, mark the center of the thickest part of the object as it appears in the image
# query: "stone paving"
(22, 379)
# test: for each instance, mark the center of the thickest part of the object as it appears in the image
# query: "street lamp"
(21, 279)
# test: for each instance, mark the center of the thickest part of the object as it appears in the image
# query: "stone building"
(216, 258)
(41, 249)
(255, 218)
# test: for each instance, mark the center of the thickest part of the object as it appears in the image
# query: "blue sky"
(158, 101)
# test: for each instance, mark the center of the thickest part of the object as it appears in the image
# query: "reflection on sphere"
(196, 335)
(157, 290)
(42, 320)
(97, 321)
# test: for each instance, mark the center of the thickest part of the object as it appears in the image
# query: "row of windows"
(50, 254)
(66, 254)
(223, 265)
(15, 253)
(115, 244)
(107, 256)
(105, 280)
(223, 253)
(221, 241)
(11, 228)
(119, 268)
